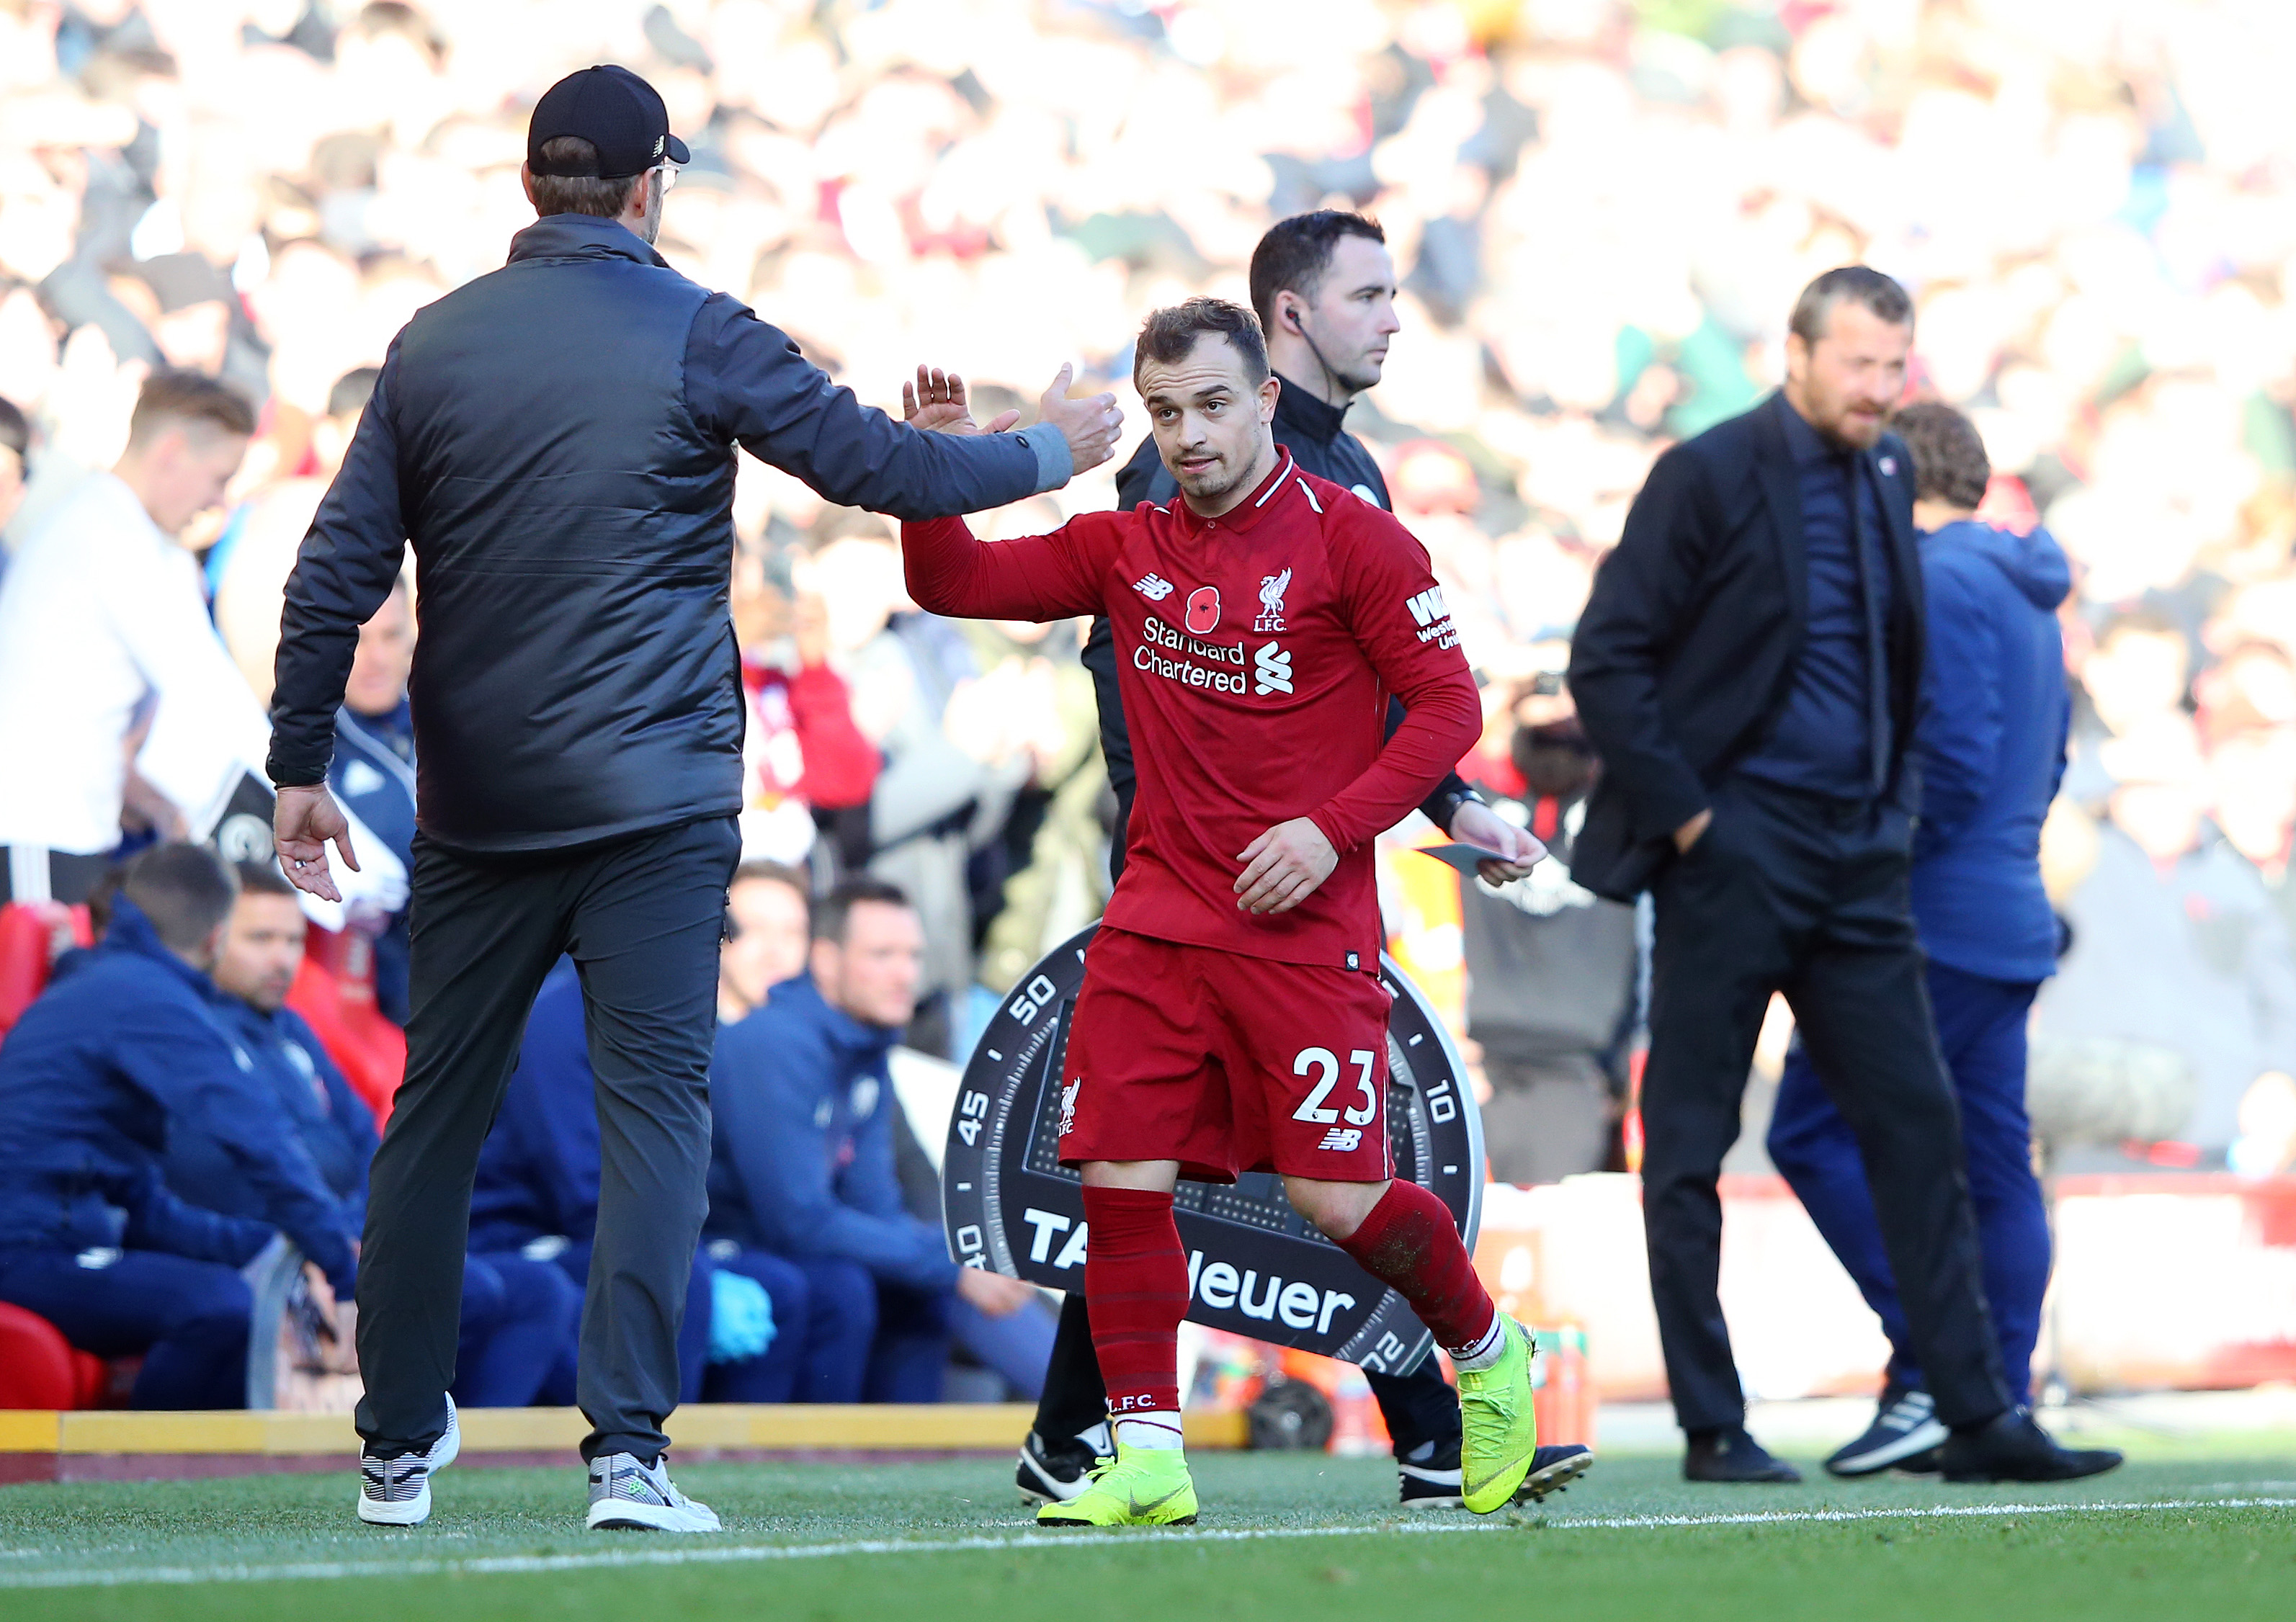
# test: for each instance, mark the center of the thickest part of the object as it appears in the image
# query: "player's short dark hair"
(1168, 335)
(184, 889)
(15, 430)
(262, 879)
(577, 193)
(352, 391)
(1295, 253)
(1950, 461)
(1860, 285)
(170, 397)
(835, 910)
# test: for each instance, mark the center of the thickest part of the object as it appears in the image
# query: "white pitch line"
(747, 1554)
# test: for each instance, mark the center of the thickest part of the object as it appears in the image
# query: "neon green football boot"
(1141, 1486)
(1499, 1432)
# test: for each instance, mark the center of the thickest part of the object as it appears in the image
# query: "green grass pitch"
(1283, 1535)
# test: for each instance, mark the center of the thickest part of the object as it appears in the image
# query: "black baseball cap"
(614, 111)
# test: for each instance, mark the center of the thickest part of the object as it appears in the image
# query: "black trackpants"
(643, 917)
(1803, 895)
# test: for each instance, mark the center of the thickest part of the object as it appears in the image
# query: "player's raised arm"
(951, 571)
(748, 381)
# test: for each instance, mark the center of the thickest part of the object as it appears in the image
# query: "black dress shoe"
(1732, 1456)
(2011, 1447)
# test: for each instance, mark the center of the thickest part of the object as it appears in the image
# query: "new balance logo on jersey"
(1342, 1138)
(1271, 670)
(1154, 587)
(1434, 615)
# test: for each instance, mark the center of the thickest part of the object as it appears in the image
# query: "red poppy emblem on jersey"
(1204, 610)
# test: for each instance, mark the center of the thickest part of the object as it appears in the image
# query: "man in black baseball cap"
(619, 114)
(557, 441)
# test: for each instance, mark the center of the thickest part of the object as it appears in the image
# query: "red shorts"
(1225, 1063)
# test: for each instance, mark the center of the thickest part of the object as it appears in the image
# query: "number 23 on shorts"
(1325, 1065)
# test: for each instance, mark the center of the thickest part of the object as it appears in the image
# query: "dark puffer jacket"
(557, 440)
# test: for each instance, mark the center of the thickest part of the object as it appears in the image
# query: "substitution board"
(1255, 1265)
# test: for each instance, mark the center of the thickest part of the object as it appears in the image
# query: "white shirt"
(99, 611)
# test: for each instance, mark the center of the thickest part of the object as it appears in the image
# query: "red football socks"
(1136, 1279)
(1410, 1244)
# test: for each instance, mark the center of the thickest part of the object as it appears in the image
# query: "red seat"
(334, 991)
(34, 934)
(40, 1369)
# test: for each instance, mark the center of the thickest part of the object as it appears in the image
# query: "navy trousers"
(518, 1324)
(863, 1341)
(806, 1334)
(1981, 1028)
(188, 1318)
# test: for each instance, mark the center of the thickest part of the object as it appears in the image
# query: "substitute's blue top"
(1991, 745)
(125, 1043)
(801, 1162)
(309, 1093)
(1833, 737)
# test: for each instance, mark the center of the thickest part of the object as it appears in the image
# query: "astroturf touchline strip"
(744, 1553)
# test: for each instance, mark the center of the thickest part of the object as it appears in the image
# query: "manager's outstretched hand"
(302, 823)
(937, 402)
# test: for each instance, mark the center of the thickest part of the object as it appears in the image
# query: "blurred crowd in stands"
(1600, 212)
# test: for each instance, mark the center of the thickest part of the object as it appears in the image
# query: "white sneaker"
(397, 1492)
(630, 1495)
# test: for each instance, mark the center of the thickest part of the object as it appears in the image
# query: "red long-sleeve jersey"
(1255, 652)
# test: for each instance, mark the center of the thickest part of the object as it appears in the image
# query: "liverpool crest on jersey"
(1272, 588)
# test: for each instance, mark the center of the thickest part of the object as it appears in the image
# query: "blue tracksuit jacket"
(310, 1094)
(801, 1157)
(128, 1037)
(1991, 743)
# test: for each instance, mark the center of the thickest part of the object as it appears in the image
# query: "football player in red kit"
(1231, 1018)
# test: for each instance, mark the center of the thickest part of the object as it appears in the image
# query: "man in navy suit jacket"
(1749, 666)
(1991, 747)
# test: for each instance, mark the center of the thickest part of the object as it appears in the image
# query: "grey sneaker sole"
(620, 1515)
(411, 1512)
(416, 1510)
